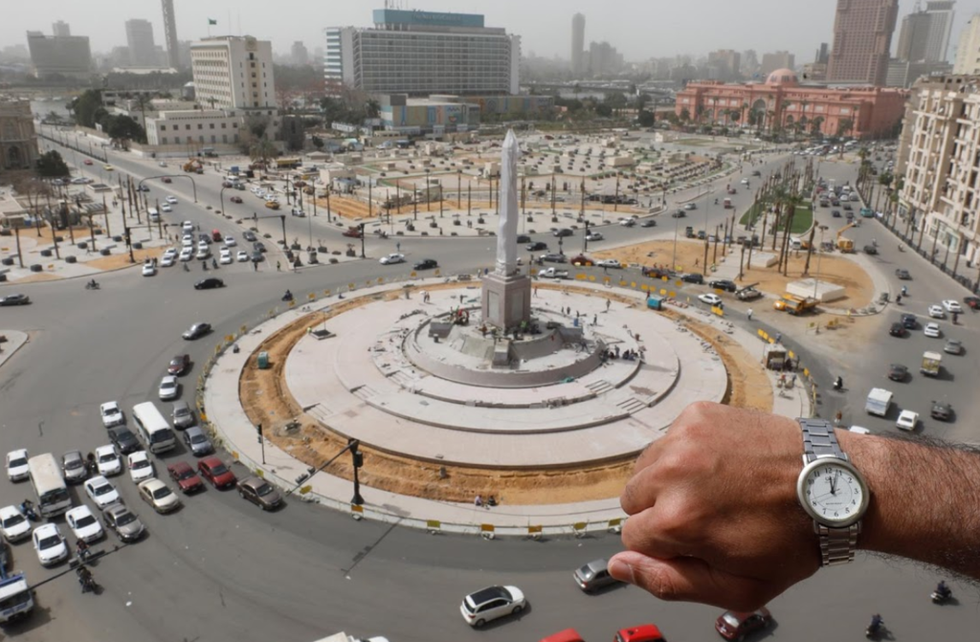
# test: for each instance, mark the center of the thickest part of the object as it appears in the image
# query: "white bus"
(153, 214)
(49, 486)
(152, 428)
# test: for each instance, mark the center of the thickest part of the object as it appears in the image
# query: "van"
(154, 215)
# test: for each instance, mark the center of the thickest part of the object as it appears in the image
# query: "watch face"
(833, 493)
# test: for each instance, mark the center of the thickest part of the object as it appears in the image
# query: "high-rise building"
(59, 55)
(604, 59)
(939, 157)
(749, 63)
(233, 72)
(862, 41)
(723, 64)
(968, 48)
(170, 33)
(299, 54)
(823, 54)
(778, 60)
(421, 53)
(925, 34)
(578, 44)
(61, 28)
(139, 37)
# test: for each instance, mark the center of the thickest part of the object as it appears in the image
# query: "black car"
(723, 284)
(257, 257)
(537, 245)
(870, 249)
(554, 258)
(756, 173)
(897, 372)
(523, 238)
(209, 283)
(124, 439)
(903, 274)
(15, 299)
(249, 236)
(563, 232)
(179, 364)
(972, 302)
(835, 213)
(197, 331)
(847, 207)
(649, 223)
(693, 278)
(941, 411)
(258, 246)
(909, 321)
(897, 330)
(678, 214)
(426, 264)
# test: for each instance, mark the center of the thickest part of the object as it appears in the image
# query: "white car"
(202, 254)
(111, 414)
(101, 491)
(149, 270)
(167, 260)
(187, 226)
(907, 420)
(593, 236)
(158, 495)
(242, 256)
(936, 312)
(49, 544)
(226, 257)
(491, 603)
(162, 164)
(14, 524)
(952, 305)
(140, 466)
(172, 199)
(83, 524)
(166, 208)
(710, 299)
(230, 241)
(187, 253)
(107, 461)
(169, 387)
(79, 181)
(392, 258)
(932, 330)
(17, 465)
(628, 221)
(609, 263)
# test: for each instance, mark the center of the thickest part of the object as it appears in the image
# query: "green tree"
(646, 118)
(122, 128)
(603, 110)
(86, 106)
(51, 165)
(262, 150)
(372, 108)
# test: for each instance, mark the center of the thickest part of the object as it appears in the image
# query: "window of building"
(235, 125)
(187, 126)
(200, 126)
(211, 126)
(200, 139)
(224, 125)
(176, 140)
(163, 141)
(163, 128)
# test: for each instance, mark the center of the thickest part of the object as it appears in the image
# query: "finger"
(691, 580)
(645, 533)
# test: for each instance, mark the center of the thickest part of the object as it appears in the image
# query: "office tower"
(823, 54)
(170, 33)
(59, 55)
(139, 37)
(578, 44)
(925, 34)
(940, 29)
(777, 60)
(233, 72)
(61, 28)
(862, 41)
(299, 54)
(968, 48)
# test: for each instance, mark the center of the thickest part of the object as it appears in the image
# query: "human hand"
(714, 516)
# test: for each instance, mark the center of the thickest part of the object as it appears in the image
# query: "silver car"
(182, 415)
(73, 467)
(594, 575)
(197, 442)
(123, 522)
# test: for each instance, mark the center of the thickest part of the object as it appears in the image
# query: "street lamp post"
(428, 192)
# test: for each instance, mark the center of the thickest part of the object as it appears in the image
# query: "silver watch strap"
(837, 545)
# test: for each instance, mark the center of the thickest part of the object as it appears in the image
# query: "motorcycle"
(838, 384)
(288, 296)
(92, 285)
(875, 630)
(27, 508)
(941, 597)
(86, 581)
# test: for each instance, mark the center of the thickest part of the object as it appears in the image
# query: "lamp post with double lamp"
(459, 188)
(428, 192)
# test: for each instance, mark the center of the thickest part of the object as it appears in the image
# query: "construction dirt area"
(266, 400)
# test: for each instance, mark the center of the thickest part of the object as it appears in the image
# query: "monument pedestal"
(506, 300)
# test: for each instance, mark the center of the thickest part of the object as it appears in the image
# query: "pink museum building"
(781, 102)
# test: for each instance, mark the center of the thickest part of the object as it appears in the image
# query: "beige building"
(18, 140)
(862, 41)
(968, 48)
(940, 160)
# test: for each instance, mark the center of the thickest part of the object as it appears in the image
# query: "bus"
(152, 428)
(288, 163)
(49, 486)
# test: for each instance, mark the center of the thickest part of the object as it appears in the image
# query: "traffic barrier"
(615, 525)
(488, 531)
(433, 526)
(357, 512)
(579, 529)
(534, 532)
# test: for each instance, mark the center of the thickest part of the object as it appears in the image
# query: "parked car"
(259, 492)
(101, 491)
(49, 544)
(594, 575)
(391, 259)
(73, 467)
(723, 284)
(123, 522)
(158, 495)
(84, 525)
(124, 440)
(107, 461)
(187, 480)
(972, 302)
(642, 633)
(711, 299)
(491, 603)
(693, 278)
(17, 469)
(735, 625)
(182, 415)
(197, 442)
(140, 466)
(14, 525)
(215, 471)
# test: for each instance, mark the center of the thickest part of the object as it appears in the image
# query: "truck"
(16, 597)
(878, 402)
(553, 273)
(931, 363)
(795, 304)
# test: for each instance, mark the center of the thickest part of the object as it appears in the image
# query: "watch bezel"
(818, 518)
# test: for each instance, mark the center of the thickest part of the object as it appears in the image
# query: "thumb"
(689, 579)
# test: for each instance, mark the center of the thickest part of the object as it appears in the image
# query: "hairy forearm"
(925, 499)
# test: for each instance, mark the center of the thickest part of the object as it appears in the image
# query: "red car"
(88, 161)
(179, 364)
(642, 633)
(186, 478)
(166, 179)
(215, 471)
(734, 625)
(972, 302)
(353, 232)
(236, 199)
(568, 635)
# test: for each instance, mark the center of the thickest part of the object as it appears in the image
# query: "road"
(220, 569)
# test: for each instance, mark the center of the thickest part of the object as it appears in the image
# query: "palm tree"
(792, 202)
(262, 149)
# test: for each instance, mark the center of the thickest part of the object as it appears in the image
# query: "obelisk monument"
(506, 299)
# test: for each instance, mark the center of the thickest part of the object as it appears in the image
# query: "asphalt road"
(220, 569)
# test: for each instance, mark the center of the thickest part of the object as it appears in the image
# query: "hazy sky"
(640, 29)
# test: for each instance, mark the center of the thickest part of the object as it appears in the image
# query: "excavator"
(845, 244)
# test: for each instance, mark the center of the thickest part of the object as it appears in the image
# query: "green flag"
(212, 22)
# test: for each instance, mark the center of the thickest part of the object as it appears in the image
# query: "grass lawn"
(801, 221)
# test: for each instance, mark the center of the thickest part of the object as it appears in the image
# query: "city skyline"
(631, 28)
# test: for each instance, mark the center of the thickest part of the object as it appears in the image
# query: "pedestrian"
(838, 418)
(398, 246)
(749, 313)
(595, 319)
(608, 303)
(779, 337)
(278, 266)
(535, 290)
(255, 266)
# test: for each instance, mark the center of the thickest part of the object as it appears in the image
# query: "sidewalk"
(15, 341)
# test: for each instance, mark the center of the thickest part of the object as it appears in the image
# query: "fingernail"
(620, 569)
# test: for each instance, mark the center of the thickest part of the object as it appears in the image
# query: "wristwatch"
(831, 491)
